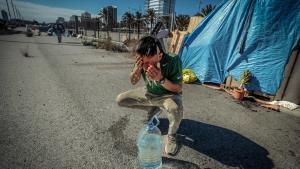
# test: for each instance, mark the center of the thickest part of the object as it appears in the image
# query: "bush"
(29, 33)
(131, 42)
(108, 45)
(87, 43)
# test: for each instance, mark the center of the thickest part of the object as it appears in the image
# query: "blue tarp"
(258, 35)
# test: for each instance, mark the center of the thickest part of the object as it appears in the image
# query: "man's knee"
(121, 99)
(125, 100)
(174, 110)
(171, 106)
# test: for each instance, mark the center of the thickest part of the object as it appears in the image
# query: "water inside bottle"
(150, 151)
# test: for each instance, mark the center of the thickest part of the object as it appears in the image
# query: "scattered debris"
(286, 104)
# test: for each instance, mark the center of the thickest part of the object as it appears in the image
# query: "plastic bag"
(188, 76)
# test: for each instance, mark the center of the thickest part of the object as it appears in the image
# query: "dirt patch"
(121, 142)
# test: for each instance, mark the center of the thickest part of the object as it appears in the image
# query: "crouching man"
(163, 92)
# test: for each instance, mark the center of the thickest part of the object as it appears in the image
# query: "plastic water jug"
(150, 146)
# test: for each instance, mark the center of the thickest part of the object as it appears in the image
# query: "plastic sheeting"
(257, 35)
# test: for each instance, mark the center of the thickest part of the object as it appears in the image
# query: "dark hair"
(147, 46)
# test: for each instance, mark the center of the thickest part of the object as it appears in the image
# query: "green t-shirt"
(171, 68)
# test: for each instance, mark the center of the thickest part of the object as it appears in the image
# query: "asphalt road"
(58, 110)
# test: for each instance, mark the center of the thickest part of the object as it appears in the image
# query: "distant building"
(72, 18)
(4, 15)
(86, 16)
(86, 19)
(161, 7)
(73, 22)
(111, 17)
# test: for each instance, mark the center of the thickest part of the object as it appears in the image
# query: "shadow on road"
(223, 145)
(169, 163)
(45, 43)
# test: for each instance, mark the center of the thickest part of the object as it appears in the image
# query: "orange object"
(238, 94)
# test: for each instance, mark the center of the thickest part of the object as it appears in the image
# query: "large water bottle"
(150, 146)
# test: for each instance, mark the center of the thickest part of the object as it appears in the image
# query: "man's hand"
(138, 64)
(135, 75)
(154, 73)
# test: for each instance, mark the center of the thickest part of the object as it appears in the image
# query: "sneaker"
(171, 147)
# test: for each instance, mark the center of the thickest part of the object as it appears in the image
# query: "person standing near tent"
(162, 75)
(59, 30)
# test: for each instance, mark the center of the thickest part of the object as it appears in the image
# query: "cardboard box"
(194, 21)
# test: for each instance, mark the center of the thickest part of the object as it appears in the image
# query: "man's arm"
(173, 87)
(135, 75)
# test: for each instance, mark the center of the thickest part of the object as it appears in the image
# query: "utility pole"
(8, 10)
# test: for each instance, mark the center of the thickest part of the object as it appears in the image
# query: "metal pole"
(98, 26)
(119, 35)
(94, 27)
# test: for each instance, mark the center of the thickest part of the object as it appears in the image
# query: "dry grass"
(106, 44)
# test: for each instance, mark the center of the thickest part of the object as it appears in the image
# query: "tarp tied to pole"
(258, 35)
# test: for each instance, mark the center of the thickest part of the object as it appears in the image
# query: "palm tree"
(151, 16)
(103, 13)
(128, 19)
(206, 10)
(182, 21)
(138, 16)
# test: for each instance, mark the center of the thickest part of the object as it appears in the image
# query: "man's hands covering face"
(154, 73)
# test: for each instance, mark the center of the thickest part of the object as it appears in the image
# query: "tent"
(258, 35)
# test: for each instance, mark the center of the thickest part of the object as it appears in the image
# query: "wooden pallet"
(177, 40)
(194, 21)
(178, 36)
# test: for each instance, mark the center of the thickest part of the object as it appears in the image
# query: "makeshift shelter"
(258, 35)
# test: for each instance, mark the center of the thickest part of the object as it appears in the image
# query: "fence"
(116, 35)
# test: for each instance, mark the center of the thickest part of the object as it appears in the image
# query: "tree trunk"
(129, 32)
(107, 31)
(138, 30)
(107, 34)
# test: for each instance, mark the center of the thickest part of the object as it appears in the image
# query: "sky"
(49, 10)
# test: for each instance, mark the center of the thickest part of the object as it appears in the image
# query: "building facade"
(161, 7)
(85, 16)
(74, 23)
(111, 17)
(72, 18)
(86, 19)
